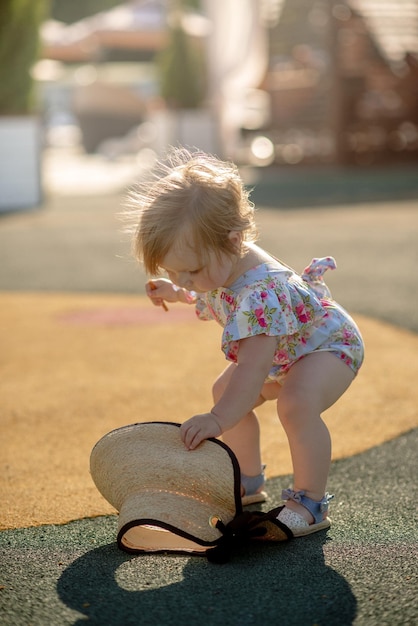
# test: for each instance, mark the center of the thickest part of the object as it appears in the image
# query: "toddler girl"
(284, 336)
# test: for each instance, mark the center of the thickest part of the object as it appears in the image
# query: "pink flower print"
(281, 356)
(346, 359)
(302, 313)
(232, 352)
(228, 298)
(259, 313)
(263, 295)
(347, 336)
(347, 333)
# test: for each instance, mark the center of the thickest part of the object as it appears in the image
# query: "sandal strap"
(252, 484)
(317, 509)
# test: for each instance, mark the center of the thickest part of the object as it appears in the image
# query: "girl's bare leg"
(244, 438)
(311, 386)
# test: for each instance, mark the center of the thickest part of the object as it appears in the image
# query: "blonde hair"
(194, 192)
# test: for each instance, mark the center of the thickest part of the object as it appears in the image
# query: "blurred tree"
(192, 4)
(181, 71)
(19, 45)
(181, 64)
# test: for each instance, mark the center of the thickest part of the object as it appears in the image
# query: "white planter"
(191, 128)
(20, 163)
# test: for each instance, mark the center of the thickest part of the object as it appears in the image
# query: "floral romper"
(299, 311)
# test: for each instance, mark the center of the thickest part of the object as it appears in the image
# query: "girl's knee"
(293, 405)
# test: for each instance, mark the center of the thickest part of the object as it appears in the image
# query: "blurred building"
(104, 67)
(289, 81)
(134, 30)
(343, 82)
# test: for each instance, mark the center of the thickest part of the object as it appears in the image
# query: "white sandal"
(297, 524)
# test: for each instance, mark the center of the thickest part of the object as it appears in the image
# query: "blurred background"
(282, 87)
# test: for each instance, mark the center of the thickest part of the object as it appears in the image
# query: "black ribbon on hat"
(248, 526)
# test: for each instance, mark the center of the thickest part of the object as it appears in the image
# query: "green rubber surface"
(362, 571)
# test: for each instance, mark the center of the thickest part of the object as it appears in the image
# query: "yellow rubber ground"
(75, 366)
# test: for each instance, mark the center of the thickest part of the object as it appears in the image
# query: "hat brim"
(167, 497)
(161, 522)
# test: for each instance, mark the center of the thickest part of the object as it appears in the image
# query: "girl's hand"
(199, 428)
(161, 289)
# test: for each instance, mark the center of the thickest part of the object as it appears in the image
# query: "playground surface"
(83, 354)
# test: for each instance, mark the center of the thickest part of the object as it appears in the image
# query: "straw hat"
(168, 498)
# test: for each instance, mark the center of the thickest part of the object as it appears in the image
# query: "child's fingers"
(151, 287)
(190, 436)
(157, 301)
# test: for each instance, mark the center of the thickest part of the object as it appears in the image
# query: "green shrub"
(182, 72)
(20, 21)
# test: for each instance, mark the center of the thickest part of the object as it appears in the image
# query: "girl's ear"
(235, 237)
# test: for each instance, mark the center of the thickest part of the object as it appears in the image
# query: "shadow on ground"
(289, 584)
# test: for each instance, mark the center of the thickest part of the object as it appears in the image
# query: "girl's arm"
(255, 357)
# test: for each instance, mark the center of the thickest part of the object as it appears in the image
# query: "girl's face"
(185, 269)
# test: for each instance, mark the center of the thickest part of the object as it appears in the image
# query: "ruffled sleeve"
(202, 309)
(267, 311)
